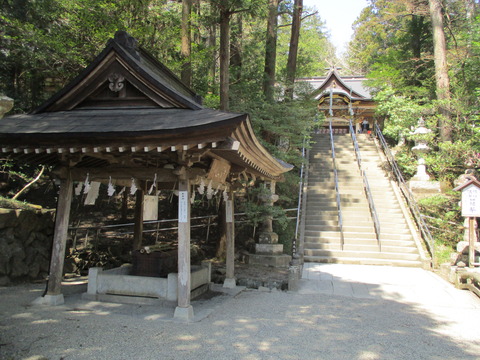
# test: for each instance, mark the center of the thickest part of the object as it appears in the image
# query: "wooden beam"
(60, 236)
(126, 173)
(230, 144)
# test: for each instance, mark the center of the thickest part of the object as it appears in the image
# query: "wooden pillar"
(230, 281)
(184, 310)
(54, 295)
(471, 242)
(138, 226)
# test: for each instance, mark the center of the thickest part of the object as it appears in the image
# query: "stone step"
(392, 223)
(357, 228)
(348, 225)
(362, 254)
(319, 234)
(362, 247)
(362, 261)
(385, 242)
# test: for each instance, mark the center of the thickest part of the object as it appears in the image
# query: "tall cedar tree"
(270, 50)
(292, 54)
(186, 47)
(441, 70)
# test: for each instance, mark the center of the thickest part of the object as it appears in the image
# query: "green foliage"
(443, 217)
(407, 162)
(257, 211)
(402, 112)
(452, 159)
(15, 204)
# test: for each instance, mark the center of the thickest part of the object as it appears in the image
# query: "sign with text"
(150, 207)
(229, 211)
(471, 201)
(183, 206)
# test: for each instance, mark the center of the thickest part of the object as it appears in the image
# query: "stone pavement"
(407, 285)
(346, 312)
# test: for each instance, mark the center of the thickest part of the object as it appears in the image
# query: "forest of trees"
(234, 53)
(421, 56)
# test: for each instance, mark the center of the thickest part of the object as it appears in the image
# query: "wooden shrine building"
(128, 118)
(341, 98)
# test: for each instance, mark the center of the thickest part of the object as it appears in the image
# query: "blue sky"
(339, 16)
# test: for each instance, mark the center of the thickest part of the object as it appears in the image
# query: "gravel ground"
(250, 325)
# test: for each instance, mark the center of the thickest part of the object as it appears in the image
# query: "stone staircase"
(322, 232)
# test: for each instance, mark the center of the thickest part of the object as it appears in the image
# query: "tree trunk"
(186, 47)
(293, 50)
(441, 70)
(236, 50)
(212, 40)
(270, 51)
(224, 58)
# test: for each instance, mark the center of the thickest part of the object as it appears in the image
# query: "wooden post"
(184, 310)
(54, 295)
(230, 243)
(138, 226)
(471, 242)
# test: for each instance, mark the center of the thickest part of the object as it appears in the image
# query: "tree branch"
(303, 18)
(29, 184)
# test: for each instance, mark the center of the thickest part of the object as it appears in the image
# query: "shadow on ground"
(250, 325)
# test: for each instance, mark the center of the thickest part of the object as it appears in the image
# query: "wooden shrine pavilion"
(128, 118)
(341, 98)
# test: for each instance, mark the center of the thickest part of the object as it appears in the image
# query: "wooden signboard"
(183, 206)
(218, 171)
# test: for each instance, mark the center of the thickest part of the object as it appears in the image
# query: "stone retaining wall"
(25, 244)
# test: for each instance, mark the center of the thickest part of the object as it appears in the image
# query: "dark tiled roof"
(113, 121)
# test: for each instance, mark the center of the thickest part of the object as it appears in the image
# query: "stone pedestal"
(268, 252)
(422, 188)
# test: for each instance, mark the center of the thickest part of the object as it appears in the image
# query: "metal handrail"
(300, 198)
(337, 191)
(96, 230)
(373, 211)
(412, 204)
(366, 187)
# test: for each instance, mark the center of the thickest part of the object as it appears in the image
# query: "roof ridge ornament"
(116, 82)
(127, 41)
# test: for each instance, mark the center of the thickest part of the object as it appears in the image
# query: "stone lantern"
(421, 147)
(420, 183)
(268, 252)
